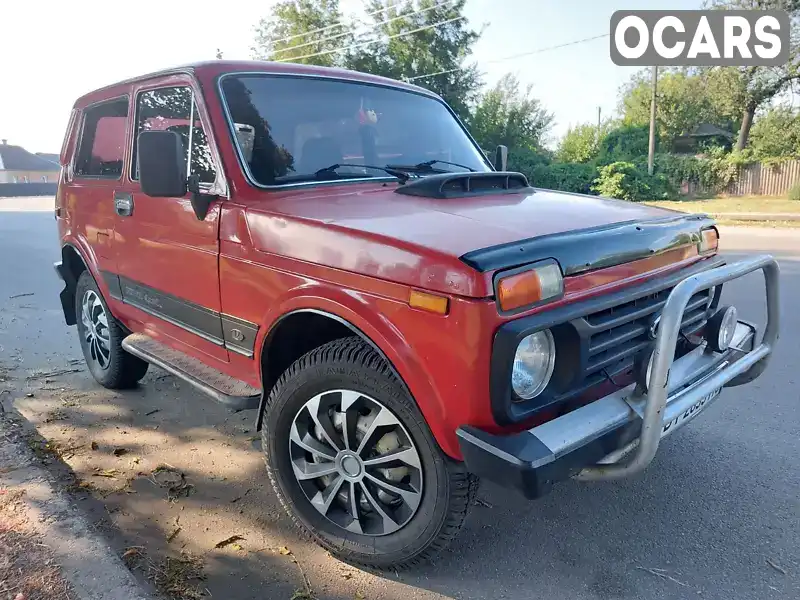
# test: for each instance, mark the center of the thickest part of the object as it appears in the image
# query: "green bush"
(523, 160)
(541, 172)
(624, 143)
(714, 170)
(566, 177)
(624, 180)
(794, 192)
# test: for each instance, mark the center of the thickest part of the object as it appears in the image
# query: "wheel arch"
(285, 324)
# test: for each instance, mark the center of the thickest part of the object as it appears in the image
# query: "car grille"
(612, 337)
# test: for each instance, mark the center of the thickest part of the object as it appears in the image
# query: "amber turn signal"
(429, 302)
(529, 287)
(709, 241)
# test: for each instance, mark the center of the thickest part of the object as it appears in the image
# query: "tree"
(724, 96)
(686, 98)
(509, 116)
(762, 84)
(282, 35)
(776, 134)
(581, 144)
(625, 143)
(433, 56)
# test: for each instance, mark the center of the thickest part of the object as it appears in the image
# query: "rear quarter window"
(101, 149)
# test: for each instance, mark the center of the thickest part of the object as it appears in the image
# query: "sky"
(55, 51)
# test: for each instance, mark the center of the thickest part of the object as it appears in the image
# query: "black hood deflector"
(585, 250)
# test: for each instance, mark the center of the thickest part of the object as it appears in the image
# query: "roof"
(53, 158)
(210, 69)
(709, 130)
(16, 158)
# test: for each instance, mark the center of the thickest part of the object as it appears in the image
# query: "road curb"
(89, 564)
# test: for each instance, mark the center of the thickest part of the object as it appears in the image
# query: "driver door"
(167, 258)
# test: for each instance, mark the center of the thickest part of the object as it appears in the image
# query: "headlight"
(533, 364)
(709, 240)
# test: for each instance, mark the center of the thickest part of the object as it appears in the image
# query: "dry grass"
(177, 577)
(27, 567)
(734, 204)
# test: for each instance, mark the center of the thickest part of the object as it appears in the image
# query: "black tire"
(115, 369)
(447, 492)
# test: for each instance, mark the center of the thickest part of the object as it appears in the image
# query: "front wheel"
(354, 464)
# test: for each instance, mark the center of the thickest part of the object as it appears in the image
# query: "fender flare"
(340, 320)
(375, 329)
(70, 279)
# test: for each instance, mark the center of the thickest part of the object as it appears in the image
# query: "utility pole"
(598, 118)
(652, 150)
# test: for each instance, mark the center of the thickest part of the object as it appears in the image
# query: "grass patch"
(176, 577)
(179, 577)
(733, 204)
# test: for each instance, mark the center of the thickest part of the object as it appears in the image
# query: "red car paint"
(354, 250)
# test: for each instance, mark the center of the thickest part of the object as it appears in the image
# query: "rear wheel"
(354, 464)
(101, 338)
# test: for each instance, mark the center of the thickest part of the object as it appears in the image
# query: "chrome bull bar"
(748, 367)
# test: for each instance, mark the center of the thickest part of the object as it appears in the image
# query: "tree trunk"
(747, 123)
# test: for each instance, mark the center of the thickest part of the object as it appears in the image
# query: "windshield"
(290, 128)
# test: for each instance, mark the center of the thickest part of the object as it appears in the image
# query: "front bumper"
(618, 435)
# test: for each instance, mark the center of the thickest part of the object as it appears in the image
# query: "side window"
(102, 143)
(173, 109)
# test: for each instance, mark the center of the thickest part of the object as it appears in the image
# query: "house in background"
(53, 158)
(17, 165)
(702, 136)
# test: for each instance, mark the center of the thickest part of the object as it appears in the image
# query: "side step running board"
(231, 392)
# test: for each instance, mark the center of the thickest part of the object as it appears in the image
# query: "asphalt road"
(717, 515)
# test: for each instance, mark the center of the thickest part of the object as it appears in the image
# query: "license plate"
(690, 413)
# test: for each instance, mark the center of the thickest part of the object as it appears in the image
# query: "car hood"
(432, 243)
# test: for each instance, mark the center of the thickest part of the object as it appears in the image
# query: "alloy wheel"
(355, 462)
(95, 330)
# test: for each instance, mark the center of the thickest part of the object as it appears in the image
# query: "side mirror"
(501, 158)
(162, 164)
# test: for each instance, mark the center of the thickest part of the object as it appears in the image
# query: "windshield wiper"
(427, 166)
(329, 173)
(393, 171)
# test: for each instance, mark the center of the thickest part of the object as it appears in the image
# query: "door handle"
(123, 203)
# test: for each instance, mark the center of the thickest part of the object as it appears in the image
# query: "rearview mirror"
(162, 164)
(501, 158)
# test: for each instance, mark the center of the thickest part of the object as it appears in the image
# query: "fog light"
(721, 328)
(643, 368)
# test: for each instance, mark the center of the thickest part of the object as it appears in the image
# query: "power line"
(337, 24)
(373, 26)
(496, 60)
(359, 45)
